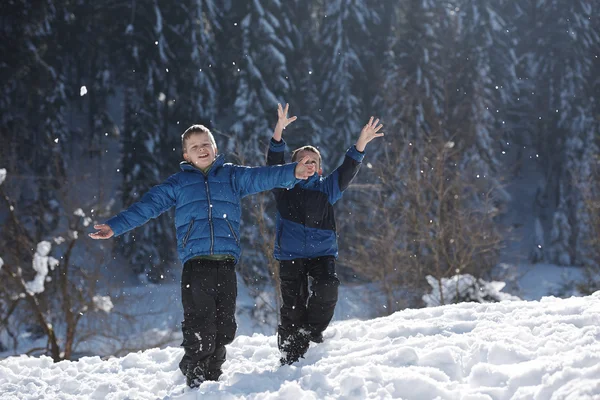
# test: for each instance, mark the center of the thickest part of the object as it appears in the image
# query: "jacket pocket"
(232, 231)
(187, 234)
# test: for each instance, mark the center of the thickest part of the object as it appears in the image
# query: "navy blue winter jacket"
(305, 218)
(207, 206)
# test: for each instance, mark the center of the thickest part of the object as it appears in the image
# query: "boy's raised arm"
(275, 155)
(282, 121)
(340, 179)
(368, 133)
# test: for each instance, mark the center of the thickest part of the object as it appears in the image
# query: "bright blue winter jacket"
(207, 206)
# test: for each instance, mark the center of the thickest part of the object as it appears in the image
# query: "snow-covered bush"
(464, 288)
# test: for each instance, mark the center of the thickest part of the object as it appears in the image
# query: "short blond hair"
(194, 130)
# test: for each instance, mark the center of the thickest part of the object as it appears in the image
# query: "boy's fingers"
(103, 231)
(379, 127)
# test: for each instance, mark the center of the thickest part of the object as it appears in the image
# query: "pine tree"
(191, 33)
(345, 37)
(482, 69)
(92, 72)
(149, 248)
(33, 108)
(377, 72)
(414, 81)
(558, 37)
(262, 80)
(147, 132)
(302, 38)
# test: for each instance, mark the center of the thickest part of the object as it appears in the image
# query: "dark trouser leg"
(198, 284)
(206, 290)
(294, 293)
(323, 298)
(226, 325)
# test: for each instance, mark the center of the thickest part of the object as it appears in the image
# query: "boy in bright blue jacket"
(306, 239)
(207, 197)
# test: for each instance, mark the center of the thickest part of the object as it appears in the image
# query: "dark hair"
(306, 148)
(196, 129)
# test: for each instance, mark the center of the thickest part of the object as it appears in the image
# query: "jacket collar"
(187, 166)
(310, 181)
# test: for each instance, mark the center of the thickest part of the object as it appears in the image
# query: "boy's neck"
(203, 170)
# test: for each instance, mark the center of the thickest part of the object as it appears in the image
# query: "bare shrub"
(426, 217)
(590, 194)
(56, 299)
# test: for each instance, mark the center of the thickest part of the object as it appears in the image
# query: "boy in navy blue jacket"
(306, 240)
(207, 197)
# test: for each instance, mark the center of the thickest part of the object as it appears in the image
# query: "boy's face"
(312, 163)
(199, 150)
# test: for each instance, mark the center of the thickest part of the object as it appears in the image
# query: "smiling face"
(313, 163)
(200, 150)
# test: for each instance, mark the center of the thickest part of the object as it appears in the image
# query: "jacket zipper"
(187, 234)
(210, 223)
(232, 232)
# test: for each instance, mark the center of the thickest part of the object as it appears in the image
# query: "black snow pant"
(208, 294)
(299, 310)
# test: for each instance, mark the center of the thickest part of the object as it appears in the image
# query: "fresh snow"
(41, 263)
(547, 349)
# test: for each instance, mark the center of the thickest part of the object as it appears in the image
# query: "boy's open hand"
(283, 121)
(104, 232)
(368, 133)
(301, 170)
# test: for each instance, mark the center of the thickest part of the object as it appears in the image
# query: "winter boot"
(293, 347)
(213, 374)
(316, 337)
(195, 376)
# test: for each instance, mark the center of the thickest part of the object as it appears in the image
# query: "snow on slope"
(548, 349)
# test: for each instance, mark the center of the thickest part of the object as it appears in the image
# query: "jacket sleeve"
(340, 179)
(276, 152)
(156, 201)
(250, 180)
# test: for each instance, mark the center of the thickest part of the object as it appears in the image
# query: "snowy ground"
(548, 349)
